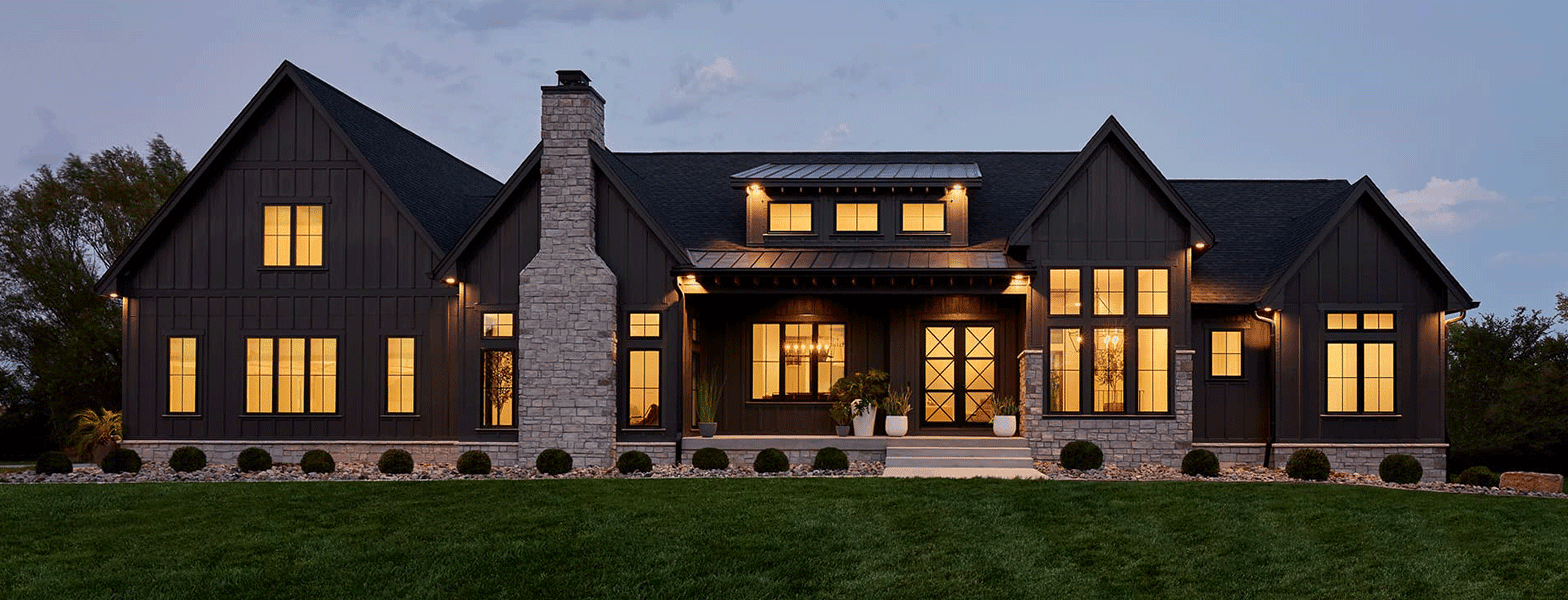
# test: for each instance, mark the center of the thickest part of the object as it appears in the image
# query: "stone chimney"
(567, 315)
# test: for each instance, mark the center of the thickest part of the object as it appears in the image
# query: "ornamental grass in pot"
(897, 407)
(709, 388)
(1005, 422)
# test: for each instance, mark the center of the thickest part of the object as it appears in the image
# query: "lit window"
(1066, 362)
(1343, 320)
(857, 217)
(291, 375)
(182, 374)
(1378, 321)
(795, 361)
(1372, 321)
(1154, 292)
(1109, 285)
(644, 325)
(292, 235)
(400, 375)
(1154, 369)
(498, 325)
(499, 365)
(1360, 377)
(789, 217)
(1110, 368)
(1225, 354)
(643, 388)
(925, 216)
(1066, 296)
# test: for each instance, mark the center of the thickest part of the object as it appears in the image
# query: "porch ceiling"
(889, 262)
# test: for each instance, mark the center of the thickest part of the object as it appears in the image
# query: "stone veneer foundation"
(1125, 441)
(1365, 458)
(566, 322)
(290, 451)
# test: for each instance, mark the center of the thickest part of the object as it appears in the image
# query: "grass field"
(844, 538)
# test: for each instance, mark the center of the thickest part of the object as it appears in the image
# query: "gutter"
(1274, 351)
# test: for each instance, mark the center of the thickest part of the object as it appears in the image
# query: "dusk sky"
(1459, 111)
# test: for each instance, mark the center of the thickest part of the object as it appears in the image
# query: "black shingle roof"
(444, 193)
(1260, 227)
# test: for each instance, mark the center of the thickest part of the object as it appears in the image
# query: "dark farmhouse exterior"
(326, 278)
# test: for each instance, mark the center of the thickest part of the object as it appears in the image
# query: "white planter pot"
(866, 424)
(1004, 425)
(897, 425)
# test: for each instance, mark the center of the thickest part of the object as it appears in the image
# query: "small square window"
(645, 325)
(925, 217)
(1343, 321)
(857, 217)
(1378, 321)
(498, 325)
(789, 217)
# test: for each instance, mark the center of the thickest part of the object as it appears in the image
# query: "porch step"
(959, 457)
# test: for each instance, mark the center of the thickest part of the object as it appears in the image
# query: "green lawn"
(845, 538)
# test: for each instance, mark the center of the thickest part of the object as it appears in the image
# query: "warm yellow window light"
(1154, 292)
(400, 375)
(856, 216)
(1200, 245)
(1109, 290)
(789, 217)
(1066, 357)
(643, 388)
(1225, 354)
(182, 374)
(925, 217)
(644, 325)
(1066, 294)
(292, 235)
(1154, 370)
(498, 324)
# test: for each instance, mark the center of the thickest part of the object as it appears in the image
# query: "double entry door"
(959, 374)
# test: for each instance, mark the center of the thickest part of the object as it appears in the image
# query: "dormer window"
(925, 217)
(789, 217)
(857, 217)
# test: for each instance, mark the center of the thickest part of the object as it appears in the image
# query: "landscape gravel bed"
(1252, 473)
(422, 472)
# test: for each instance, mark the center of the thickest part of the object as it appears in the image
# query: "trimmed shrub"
(53, 463)
(121, 460)
(473, 462)
(1200, 463)
(396, 461)
(1478, 475)
(1082, 456)
(634, 462)
(830, 459)
(1309, 464)
(318, 461)
(771, 460)
(254, 459)
(187, 458)
(1399, 468)
(555, 461)
(710, 459)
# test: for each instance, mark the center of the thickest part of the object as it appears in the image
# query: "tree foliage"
(59, 230)
(1508, 392)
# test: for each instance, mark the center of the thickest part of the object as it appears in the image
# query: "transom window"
(857, 216)
(1109, 292)
(498, 325)
(292, 235)
(1154, 292)
(182, 375)
(644, 325)
(925, 217)
(1225, 353)
(795, 361)
(789, 217)
(1371, 321)
(291, 375)
(1066, 295)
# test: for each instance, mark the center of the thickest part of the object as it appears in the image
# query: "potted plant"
(840, 414)
(97, 432)
(1005, 421)
(897, 407)
(709, 388)
(864, 391)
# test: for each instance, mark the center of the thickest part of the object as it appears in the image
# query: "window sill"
(1103, 416)
(275, 415)
(1360, 415)
(500, 429)
(919, 235)
(856, 235)
(1225, 379)
(181, 415)
(399, 415)
(789, 235)
(283, 269)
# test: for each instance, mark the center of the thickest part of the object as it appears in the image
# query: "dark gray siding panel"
(1231, 409)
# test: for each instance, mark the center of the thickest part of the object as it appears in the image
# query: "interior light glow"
(450, 280)
(1200, 245)
(114, 294)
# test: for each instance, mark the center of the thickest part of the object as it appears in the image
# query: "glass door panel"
(960, 374)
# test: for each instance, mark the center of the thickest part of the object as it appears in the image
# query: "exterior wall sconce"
(450, 280)
(113, 295)
(1200, 245)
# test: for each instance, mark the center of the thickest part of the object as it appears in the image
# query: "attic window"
(789, 217)
(291, 235)
(925, 217)
(857, 217)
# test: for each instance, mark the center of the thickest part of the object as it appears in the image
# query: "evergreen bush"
(1082, 456)
(395, 461)
(1399, 468)
(830, 459)
(53, 463)
(710, 459)
(554, 461)
(1200, 463)
(1309, 464)
(634, 462)
(254, 459)
(473, 462)
(187, 458)
(318, 461)
(1479, 476)
(771, 460)
(121, 460)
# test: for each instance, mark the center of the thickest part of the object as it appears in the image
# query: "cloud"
(831, 137)
(51, 147)
(393, 55)
(508, 14)
(695, 85)
(1553, 259)
(1445, 206)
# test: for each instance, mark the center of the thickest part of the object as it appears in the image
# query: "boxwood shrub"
(830, 459)
(1082, 456)
(254, 459)
(634, 462)
(121, 460)
(1200, 463)
(187, 458)
(53, 463)
(771, 460)
(395, 461)
(318, 461)
(710, 459)
(1399, 468)
(554, 461)
(1478, 475)
(473, 462)
(1309, 464)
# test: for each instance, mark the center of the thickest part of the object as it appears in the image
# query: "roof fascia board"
(1110, 130)
(528, 167)
(674, 249)
(969, 182)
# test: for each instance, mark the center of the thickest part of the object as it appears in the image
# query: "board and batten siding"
(204, 278)
(1231, 409)
(1363, 265)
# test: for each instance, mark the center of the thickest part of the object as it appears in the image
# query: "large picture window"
(499, 367)
(292, 235)
(1360, 377)
(795, 361)
(291, 375)
(182, 375)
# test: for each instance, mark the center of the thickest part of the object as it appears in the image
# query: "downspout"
(1446, 323)
(1274, 355)
(686, 370)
